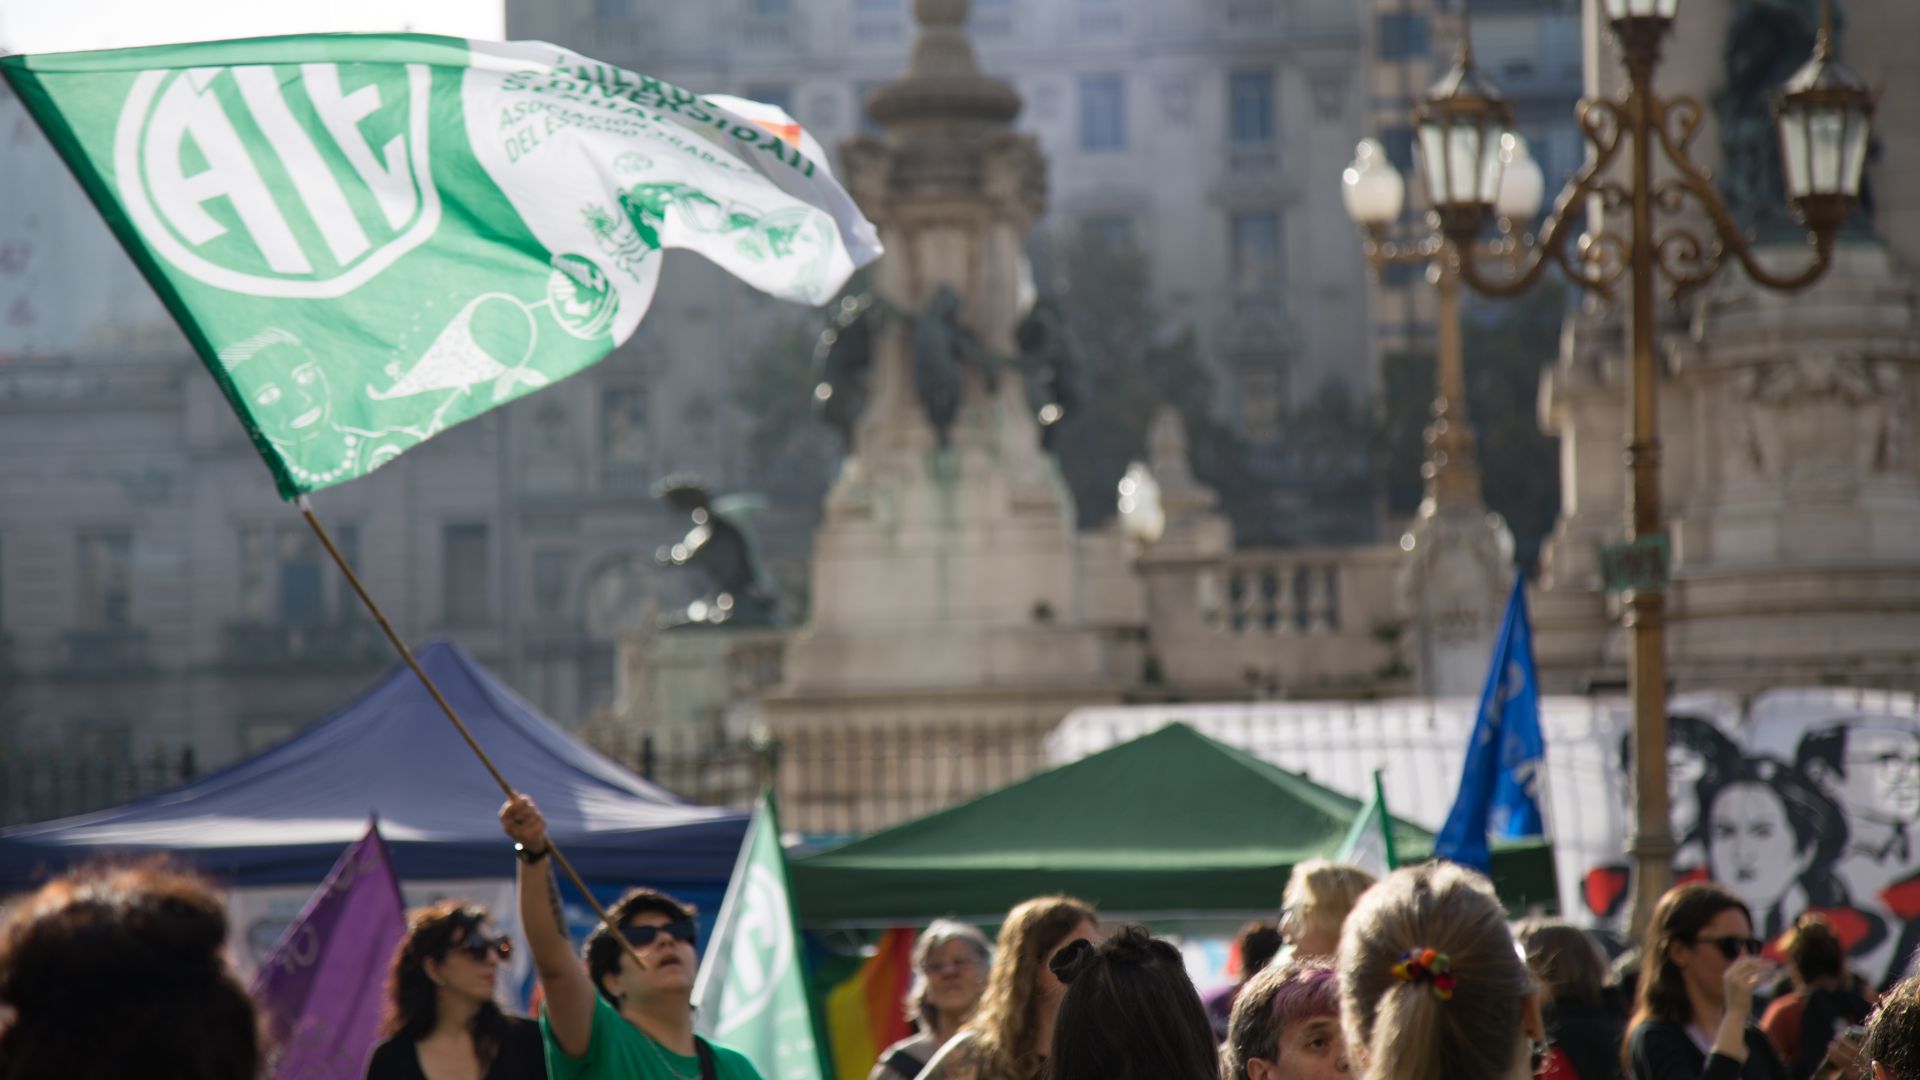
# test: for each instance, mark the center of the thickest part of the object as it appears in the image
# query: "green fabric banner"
(751, 993)
(370, 238)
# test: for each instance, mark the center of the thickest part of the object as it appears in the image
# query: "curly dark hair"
(1893, 1032)
(118, 971)
(605, 947)
(1129, 1013)
(412, 1000)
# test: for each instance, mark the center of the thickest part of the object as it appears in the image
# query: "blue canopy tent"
(284, 815)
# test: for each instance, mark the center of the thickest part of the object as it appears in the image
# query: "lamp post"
(1822, 116)
(1374, 193)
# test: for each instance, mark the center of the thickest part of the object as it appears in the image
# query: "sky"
(34, 26)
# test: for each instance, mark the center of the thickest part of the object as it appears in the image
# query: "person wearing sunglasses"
(613, 1019)
(442, 1022)
(1694, 1015)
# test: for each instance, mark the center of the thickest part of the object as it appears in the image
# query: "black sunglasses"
(642, 936)
(1732, 947)
(479, 947)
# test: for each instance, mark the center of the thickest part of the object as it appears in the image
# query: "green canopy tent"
(1171, 823)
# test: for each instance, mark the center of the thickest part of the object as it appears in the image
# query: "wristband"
(531, 857)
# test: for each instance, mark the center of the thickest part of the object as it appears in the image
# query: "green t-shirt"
(616, 1050)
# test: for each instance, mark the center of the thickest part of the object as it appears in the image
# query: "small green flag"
(751, 993)
(370, 238)
(1369, 842)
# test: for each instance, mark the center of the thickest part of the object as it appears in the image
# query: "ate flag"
(323, 987)
(751, 993)
(370, 238)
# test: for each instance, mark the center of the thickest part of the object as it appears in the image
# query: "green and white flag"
(751, 993)
(370, 238)
(1369, 842)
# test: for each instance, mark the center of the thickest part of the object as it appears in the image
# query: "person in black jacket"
(1693, 1017)
(1572, 972)
(441, 1018)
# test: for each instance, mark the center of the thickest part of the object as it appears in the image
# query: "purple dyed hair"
(1309, 990)
(1276, 999)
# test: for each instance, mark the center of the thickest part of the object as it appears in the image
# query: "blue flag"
(1505, 759)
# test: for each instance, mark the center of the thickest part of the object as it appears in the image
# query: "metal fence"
(40, 783)
(847, 780)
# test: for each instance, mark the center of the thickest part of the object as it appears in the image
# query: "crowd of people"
(119, 971)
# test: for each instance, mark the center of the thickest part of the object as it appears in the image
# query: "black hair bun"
(1067, 964)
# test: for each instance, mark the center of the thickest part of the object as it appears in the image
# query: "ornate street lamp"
(1472, 168)
(1460, 126)
(1823, 114)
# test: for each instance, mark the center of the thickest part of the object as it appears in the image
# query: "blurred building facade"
(1208, 135)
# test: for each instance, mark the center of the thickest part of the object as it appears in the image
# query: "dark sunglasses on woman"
(1732, 947)
(479, 947)
(642, 936)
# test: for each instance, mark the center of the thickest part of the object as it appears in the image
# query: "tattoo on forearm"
(553, 899)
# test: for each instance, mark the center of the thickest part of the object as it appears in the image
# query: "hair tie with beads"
(1427, 966)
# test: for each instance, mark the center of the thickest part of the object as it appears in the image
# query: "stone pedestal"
(1451, 590)
(1792, 483)
(949, 570)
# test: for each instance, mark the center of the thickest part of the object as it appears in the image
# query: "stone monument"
(1791, 460)
(948, 578)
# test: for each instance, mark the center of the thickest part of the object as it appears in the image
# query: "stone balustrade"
(1293, 622)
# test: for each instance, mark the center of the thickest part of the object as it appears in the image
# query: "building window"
(464, 580)
(1256, 253)
(780, 97)
(1262, 404)
(613, 10)
(1398, 139)
(1250, 106)
(1111, 232)
(106, 579)
(550, 570)
(1103, 112)
(284, 574)
(771, 9)
(623, 425)
(862, 91)
(1404, 35)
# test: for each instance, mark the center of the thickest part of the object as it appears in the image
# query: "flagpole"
(339, 560)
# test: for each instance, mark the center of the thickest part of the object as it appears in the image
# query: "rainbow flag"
(864, 1013)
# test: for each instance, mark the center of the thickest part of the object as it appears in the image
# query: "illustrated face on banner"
(284, 385)
(296, 408)
(1751, 847)
(1890, 762)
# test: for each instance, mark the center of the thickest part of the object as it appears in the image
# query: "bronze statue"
(842, 358)
(1051, 359)
(718, 547)
(941, 347)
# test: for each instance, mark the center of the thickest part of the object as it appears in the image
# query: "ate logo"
(298, 181)
(761, 954)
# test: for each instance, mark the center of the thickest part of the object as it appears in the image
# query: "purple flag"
(322, 988)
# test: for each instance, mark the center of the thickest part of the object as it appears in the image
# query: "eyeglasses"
(478, 947)
(1732, 947)
(964, 963)
(642, 936)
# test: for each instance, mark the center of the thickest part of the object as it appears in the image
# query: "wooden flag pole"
(339, 560)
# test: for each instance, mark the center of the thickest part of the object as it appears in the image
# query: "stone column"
(947, 561)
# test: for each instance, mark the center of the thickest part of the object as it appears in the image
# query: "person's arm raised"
(563, 978)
